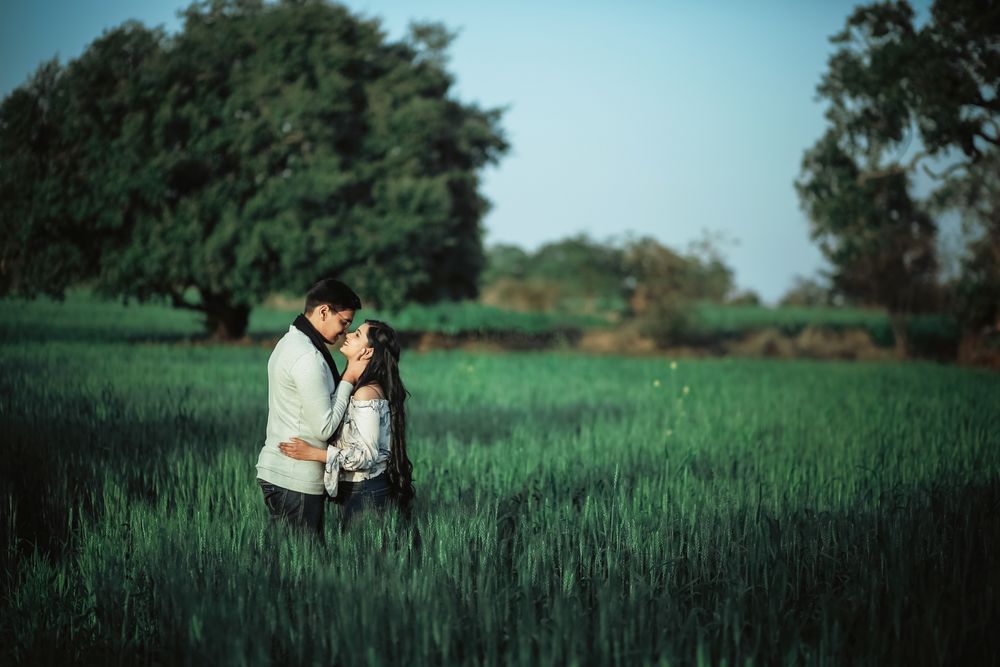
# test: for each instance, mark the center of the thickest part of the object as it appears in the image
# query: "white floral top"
(361, 450)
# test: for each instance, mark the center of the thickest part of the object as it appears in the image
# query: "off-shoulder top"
(361, 450)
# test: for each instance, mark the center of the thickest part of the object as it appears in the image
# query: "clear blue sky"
(659, 118)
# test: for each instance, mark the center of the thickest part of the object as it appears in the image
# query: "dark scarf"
(306, 327)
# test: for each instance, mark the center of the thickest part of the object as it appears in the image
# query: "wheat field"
(571, 510)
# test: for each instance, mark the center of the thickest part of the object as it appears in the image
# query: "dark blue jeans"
(354, 497)
(292, 508)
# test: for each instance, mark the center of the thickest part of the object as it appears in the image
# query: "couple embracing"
(329, 435)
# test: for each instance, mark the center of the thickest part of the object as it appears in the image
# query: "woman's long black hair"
(383, 369)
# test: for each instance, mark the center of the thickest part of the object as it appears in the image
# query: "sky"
(670, 119)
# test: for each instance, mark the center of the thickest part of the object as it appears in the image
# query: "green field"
(571, 510)
(83, 314)
(925, 332)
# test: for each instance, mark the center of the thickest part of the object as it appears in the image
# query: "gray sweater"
(301, 402)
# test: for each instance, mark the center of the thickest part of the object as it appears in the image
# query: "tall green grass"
(570, 510)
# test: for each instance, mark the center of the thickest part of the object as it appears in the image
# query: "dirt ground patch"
(812, 343)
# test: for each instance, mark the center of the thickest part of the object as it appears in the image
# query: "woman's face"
(356, 342)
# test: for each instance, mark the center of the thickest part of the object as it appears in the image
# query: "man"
(306, 398)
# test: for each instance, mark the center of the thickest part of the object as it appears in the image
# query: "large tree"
(879, 241)
(30, 196)
(902, 97)
(261, 147)
(977, 291)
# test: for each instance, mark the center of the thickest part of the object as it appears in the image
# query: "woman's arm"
(357, 454)
(321, 412)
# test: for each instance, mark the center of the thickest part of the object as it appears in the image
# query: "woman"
(366, 463)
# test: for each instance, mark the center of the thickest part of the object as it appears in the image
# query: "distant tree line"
(904, 97)
(262, 146)
(633, 278)
(810, 293)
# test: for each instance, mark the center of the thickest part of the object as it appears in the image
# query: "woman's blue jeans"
(354, 497)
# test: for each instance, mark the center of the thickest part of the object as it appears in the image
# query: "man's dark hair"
(333, 293)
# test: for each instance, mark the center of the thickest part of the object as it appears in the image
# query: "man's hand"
(355, 367)
(302, 450)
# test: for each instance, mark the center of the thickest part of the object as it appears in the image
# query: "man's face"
(333, 323)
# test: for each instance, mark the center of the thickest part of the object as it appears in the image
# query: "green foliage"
(708, 276)
(927, 333)
(807, 292)
(666, 285)
(978, 290)
(83, 318)
(745, 298)
(790, 320)
(260, 148)
(636, 277)
(575, 274)
(890, 78)
(977, 196)
(464, 318)
(877, 238)
(36, 190)
(504, 260)
(891, 85)
(592, 267)
(572, 511)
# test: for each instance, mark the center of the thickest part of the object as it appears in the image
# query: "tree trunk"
(224, 321)
(899, 334)
(969, 347)
(11, 269)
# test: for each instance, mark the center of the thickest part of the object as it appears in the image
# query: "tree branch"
(993, 140)
(892, 169)
(946, 173)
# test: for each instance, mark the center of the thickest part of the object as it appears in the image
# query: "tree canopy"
(261, 147)
(905, 97)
